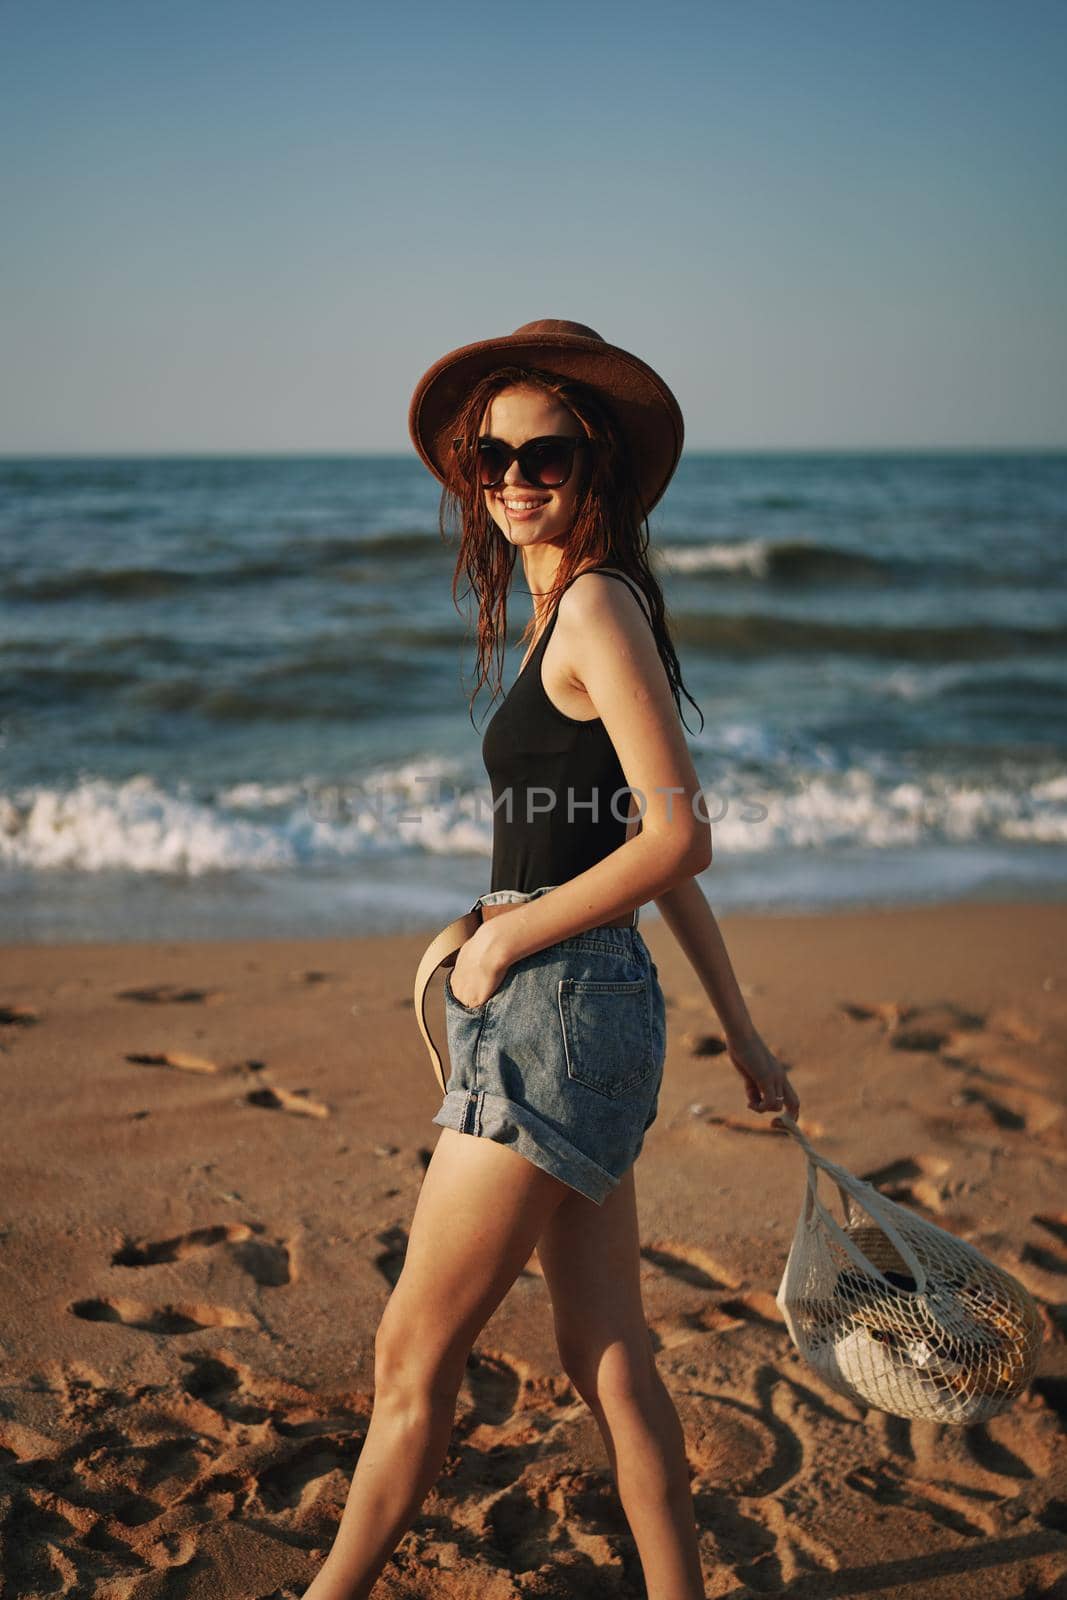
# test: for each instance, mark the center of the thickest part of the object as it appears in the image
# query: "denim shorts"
(565, 1059)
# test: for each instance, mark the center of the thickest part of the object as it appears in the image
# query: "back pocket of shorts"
(607, 1034)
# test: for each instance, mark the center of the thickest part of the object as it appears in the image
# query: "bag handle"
(868, 1196)
(441, 952)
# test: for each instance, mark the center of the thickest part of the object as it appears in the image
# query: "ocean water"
(233, 692)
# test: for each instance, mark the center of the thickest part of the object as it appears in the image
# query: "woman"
(553, 446)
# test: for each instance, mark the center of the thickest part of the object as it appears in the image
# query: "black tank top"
(553, 780)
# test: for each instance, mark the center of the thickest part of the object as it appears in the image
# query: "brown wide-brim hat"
(647, 412)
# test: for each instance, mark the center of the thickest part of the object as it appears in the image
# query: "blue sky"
(252, 226)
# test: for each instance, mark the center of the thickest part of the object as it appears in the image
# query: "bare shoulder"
(594, 595)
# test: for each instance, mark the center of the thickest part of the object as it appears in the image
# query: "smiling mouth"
(522, 505)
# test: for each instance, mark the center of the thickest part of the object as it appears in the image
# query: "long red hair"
(609, 529)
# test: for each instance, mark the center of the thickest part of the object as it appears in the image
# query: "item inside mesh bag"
(899, 1314)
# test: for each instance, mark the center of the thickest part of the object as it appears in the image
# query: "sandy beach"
(212, 1153)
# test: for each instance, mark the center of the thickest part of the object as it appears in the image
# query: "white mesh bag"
(896, 1313)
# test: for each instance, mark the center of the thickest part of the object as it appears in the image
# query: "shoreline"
(396, 896)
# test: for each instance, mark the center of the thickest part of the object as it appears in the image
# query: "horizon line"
(193, 454)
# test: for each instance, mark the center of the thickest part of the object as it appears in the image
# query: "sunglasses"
(547, 462)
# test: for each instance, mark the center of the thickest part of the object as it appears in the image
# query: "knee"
(621, 1373)
(412, 1368)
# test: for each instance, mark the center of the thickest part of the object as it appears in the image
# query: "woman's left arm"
(687, 913)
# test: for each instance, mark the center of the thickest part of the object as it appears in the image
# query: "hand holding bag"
(899, 1314)
(441, 952)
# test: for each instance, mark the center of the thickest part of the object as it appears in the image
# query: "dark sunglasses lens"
(547, 464)
(492, 464)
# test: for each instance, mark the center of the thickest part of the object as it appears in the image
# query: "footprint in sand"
(695, 1267)
(754, 1459)
(914, 1181)
(522, 1526)
(721, 1316)
(179, 1059)
(1054, 1222)
(298, 1102)
(501, 1479)
(493, 1384)
(1021, 1445)
(996, 1456)
(1054, 1315)
(915, 1027)
(507, 1422)
(1000, 1083)
(119, 1485)
(736, 1447)
(951, 1508)
(17, 1016)
(961, 1037)
(1017, 1110)
(150, 1252)
(940, 1028)
(690, 1264)
(169, 994)
(1050, 1262)
(1013, 1025)
(1053, 1393)
(192, 1317)
(708, 1045)
(301, 1477)
(184, 1061)
(234, 1392)
(268, 1264)
(703, 1044)
(762, 1124)
(566, 1528)
(226, 1387)
(756, 1306)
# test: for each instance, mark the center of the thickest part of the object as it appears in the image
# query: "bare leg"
(479, 1213)
(590, 1257)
